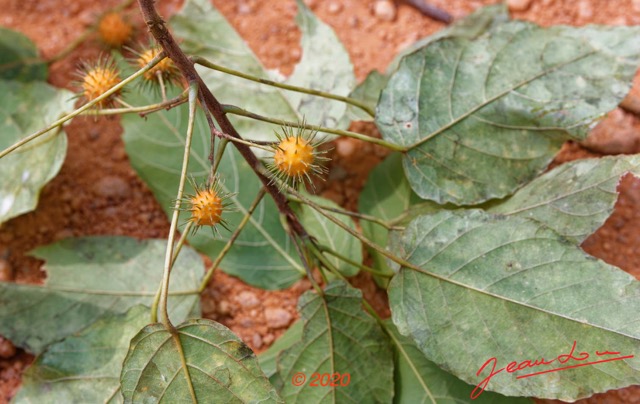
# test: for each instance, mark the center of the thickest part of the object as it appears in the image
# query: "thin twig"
(232, 109)
(356, 103)
(193, 93)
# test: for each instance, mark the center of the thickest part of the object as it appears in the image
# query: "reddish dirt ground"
(97, 192)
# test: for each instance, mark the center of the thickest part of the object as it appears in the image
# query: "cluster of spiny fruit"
(296, 153)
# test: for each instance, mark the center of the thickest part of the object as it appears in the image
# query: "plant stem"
(232, 109)
(355, 234)
(356, 103)
(232, 239)
(143, 110)
(357, 215)
(85, 107)
(178, 248)
(373, 271)
(193, 94)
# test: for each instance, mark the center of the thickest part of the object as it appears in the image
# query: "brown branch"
(431, 11)
(163, 37)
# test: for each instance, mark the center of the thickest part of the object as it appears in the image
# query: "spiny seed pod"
(165, 69)
(114, 30)
(296, 156)
(96, 79)
(207, 205)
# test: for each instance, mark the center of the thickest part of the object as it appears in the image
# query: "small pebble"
(246, 323)
(518, 5)
(256, 341)
(345, 147)
(224, 308)
(112, 187)
(7, 349)
(244, 8)
(585, 10)
(385, 10)
(268, 339)
(334, 8)
(247, 299)
(6, 271)
(277, 318)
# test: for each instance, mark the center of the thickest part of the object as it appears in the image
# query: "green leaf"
(84, 368)
(324, 65)
(219, 365)
(511, 289)
(263, 254)
(19, 58)
(24, 109)
(331, 235)
(482, 20)
(268, 359)
(418, 380)
(574, 199)
(472, 26)
(387, 195)
(483, 117)
(88, 278)
(338, 337)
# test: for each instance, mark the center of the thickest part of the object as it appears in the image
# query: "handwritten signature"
(528, 364)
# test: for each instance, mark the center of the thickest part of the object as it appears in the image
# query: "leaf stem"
(85, 107)
(143, 110)
(373, 271)
(354, 233)
(193, 95)
(356, 103)
(232, 239)
(357, 215)
(178, 248)
(232, 109)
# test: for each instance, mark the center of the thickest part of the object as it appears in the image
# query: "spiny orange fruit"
(207, 205)
(206, 208)
(97, 79)
(297, 156)
(293, 156)
(165, 67)
(114, 30)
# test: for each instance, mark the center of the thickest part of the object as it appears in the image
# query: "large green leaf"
(482, 117)
(511, 289)
(84, 368)
(332, 236)
(418, 380)
(338, 337)
(202, 361)
(324, 66)
(573, 199)
(89, 277)
(24, 109)
(19, 58)
(263, 254)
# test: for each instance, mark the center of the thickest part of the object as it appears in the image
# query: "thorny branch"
(163, 37)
